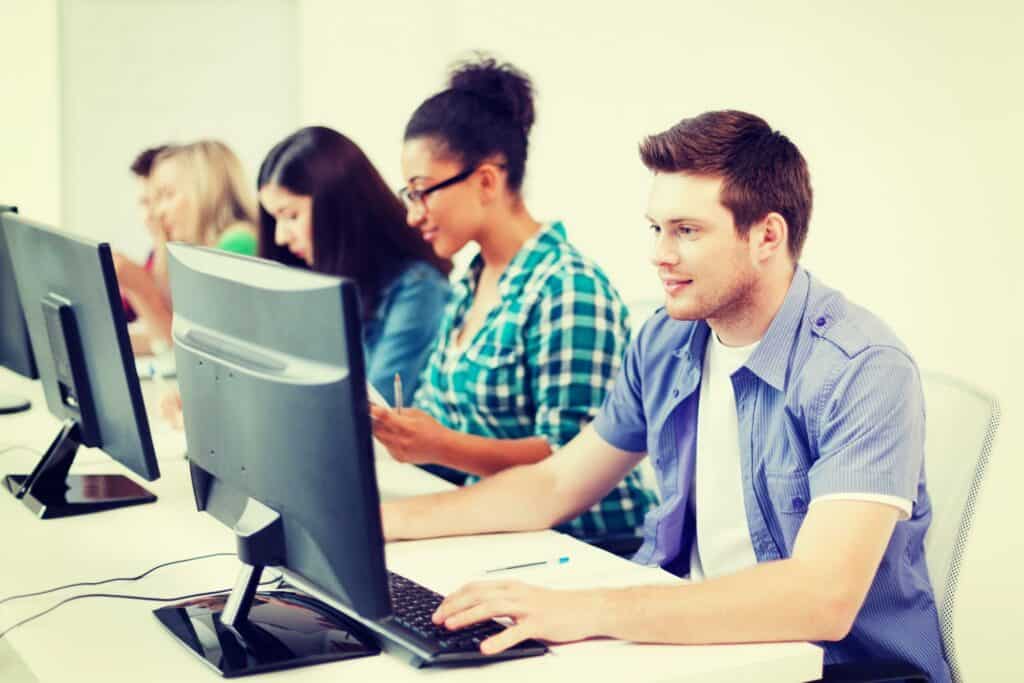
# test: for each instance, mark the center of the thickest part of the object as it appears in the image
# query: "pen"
(157, 377)
(555, 561)
(398, 393)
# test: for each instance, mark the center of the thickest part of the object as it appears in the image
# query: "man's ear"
(769, 236)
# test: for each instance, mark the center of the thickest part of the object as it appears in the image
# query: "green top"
(238, 240)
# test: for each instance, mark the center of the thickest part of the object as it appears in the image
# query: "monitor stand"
(10, 403)
(244, 632)
(50, 492)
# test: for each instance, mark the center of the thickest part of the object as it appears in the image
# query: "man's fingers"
(506, 639)
(482, 611)
(470, 595)
(459, 601)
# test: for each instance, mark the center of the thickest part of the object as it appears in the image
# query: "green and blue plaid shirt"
(541, 364)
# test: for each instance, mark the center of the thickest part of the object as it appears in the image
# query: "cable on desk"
(120, 578)
(20, 447)
(120, 596)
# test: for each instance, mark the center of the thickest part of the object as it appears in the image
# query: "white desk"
(120, 640)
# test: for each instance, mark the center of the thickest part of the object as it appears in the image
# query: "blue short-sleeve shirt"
(829, 402)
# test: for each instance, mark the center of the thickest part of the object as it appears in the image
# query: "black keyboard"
(412, 606)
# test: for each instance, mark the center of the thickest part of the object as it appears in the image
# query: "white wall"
(30, 115)
(136, 74)
(908, 114)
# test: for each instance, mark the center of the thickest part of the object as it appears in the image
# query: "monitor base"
(79, 495)
(283, 630)
(9, 403)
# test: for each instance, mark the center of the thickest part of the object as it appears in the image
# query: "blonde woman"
(199, 196)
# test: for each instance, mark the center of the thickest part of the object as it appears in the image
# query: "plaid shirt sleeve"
(576, 336)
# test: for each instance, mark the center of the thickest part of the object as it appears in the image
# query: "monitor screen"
(15, 349)
(71, 302)
(273, 393)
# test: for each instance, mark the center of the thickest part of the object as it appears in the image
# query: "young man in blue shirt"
(785, 424)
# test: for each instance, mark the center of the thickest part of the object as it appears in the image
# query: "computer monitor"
(69, 294)
(273, 392)
(15, 349)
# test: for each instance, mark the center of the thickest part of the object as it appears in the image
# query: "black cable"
(120, 578)
(119, 596)
(31, 450)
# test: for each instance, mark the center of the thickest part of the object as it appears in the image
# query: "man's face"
(175, 206)
(146, 200)
(707, 270)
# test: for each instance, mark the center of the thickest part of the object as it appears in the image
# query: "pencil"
(398, 393)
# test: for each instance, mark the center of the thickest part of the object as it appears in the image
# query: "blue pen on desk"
(556, 561)
(156, 376)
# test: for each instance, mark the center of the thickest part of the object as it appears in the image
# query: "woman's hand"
(411, 435)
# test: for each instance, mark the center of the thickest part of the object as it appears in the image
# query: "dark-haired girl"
(325, 206)
(535, 332)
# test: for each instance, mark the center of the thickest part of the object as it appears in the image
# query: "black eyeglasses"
(415, 197)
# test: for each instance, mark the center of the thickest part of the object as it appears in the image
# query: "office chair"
(961, 426)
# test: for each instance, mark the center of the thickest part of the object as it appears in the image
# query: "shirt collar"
(770, 360)
(518, 271)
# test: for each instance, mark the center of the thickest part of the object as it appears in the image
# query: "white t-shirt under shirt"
(722, 543)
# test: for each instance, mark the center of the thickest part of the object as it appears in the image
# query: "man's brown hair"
(142, 165)
(761, 170)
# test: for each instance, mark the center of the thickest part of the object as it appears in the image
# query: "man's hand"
(557, 616)
(411, 436)
(130, 275)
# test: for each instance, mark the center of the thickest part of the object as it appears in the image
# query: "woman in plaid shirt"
(534, 334)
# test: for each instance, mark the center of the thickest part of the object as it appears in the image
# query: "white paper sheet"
(380, 451)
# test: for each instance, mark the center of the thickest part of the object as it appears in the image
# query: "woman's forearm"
(484, 456)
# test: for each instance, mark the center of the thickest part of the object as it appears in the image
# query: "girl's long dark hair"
(359, 228)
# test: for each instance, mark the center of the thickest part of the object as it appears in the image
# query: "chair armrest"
(623, 545)
(882, 671)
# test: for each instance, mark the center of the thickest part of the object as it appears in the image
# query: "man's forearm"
(772, 601)
(484, 456)
(518, 499)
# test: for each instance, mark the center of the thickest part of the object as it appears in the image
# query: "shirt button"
(798, 504)
(820, 322)
(675, 393)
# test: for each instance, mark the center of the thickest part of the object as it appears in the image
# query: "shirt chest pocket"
(494, 378)
(790, 496)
